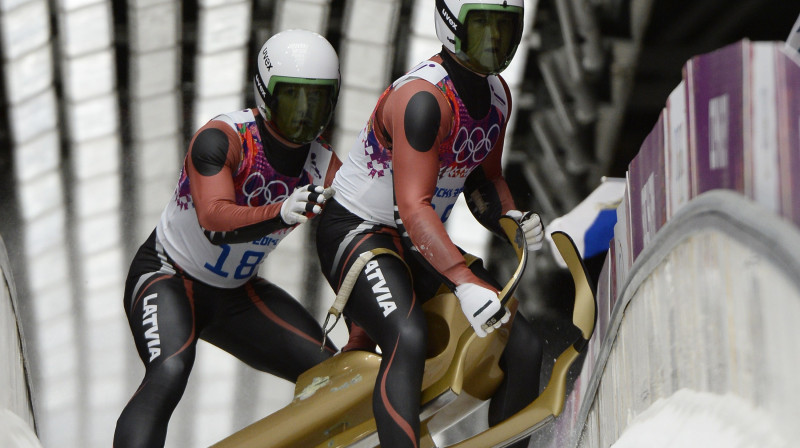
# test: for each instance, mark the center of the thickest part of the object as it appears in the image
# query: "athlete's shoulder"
(419, 102)
(425, 76)
(234, 118)
(431, 71)
(224, 123)
(218, 142)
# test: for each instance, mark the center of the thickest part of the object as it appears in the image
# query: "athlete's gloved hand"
(482, 308)
(531, 225)
(308, 198)
(328, 193)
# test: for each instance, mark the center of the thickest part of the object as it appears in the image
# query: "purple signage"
(611, 261)
(648, 198)
(716, 99)
(676, 158)
(789, 135)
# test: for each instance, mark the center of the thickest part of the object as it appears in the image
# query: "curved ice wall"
(699, 299)
(17, 421)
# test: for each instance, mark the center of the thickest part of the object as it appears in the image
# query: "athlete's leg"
(161, 318)
(268, 329)
(521, 363)
(383, 304)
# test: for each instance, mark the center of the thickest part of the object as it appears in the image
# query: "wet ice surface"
(699, 419)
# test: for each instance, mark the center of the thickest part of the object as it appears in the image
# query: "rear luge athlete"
(249, 178)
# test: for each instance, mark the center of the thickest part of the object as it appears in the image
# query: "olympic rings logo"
(475, 145)
(255, 187)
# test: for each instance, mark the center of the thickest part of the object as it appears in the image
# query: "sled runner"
(332, 406)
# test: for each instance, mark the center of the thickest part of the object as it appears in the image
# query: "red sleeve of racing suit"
(416, 171)
(333, 167)
(213, 190)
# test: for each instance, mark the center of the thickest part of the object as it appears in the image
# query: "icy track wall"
(699, 300)
(16, 411)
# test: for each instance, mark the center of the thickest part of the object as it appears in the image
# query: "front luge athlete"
(435, 132)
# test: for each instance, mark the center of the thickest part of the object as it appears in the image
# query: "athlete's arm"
(214, 155)
(417, 118)
(486, 191)
(333, 167)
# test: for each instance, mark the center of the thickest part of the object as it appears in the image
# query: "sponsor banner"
(676, 160)
(648, 201)
(613, 276)
(789, 135)
(623, 256)
(716, 100)
(761, 146)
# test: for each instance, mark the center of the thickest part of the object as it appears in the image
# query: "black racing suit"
(399, 327)
(196, 276)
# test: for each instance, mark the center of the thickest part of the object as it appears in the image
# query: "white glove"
(328, 193)
(305, 199)
(531, 226)
(482, 308)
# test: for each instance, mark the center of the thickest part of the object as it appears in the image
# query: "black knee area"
(143, 422)
(413, 340)
(521, 363)
(172, 375)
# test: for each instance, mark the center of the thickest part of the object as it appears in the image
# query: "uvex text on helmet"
(297, 84)
(484, 35)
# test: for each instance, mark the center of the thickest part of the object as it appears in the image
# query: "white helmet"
(297, 84)
(483, 34)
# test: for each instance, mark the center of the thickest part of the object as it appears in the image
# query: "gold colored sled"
(332, 406)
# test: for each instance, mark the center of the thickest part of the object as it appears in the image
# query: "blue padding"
(599, 234)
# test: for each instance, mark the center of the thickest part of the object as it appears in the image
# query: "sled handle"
(550, 403)
(516, 238)
(585, 308)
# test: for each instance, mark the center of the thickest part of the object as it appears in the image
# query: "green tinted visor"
(300, 108)
(491, 37)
